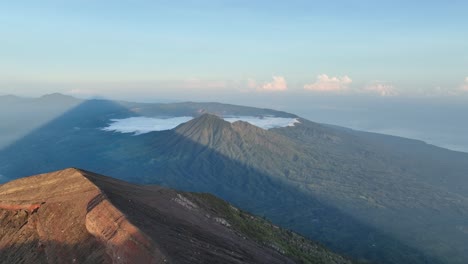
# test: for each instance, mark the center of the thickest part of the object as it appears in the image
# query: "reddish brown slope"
(73, 216)
(62, 217)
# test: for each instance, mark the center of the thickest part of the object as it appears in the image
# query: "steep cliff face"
(74, 216)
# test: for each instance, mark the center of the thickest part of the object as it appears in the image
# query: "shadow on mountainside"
(278, 201)
(64, 141)
(169, 159)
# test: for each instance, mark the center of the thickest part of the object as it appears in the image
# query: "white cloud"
(278, 84)
(142, 125)
(329, 84)
(464, 87)
(382, 89)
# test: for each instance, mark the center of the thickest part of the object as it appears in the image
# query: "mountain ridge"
(348, 189)
(74, 215)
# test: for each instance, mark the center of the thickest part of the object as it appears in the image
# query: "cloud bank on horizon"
(324, 84)
(329, 84)
(278, 84)
(143, 125)
(382, 89)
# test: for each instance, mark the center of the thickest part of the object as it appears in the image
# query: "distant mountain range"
(75, 216)
(374, 197)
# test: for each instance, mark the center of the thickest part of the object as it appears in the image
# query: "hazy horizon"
(374, 66)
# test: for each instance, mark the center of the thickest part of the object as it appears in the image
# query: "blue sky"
(381, 48)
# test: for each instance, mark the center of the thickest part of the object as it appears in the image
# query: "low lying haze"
(142, 125)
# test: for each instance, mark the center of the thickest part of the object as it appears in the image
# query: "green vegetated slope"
(373, 197)
(343, 171)
(264, 232)
(411, 190)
